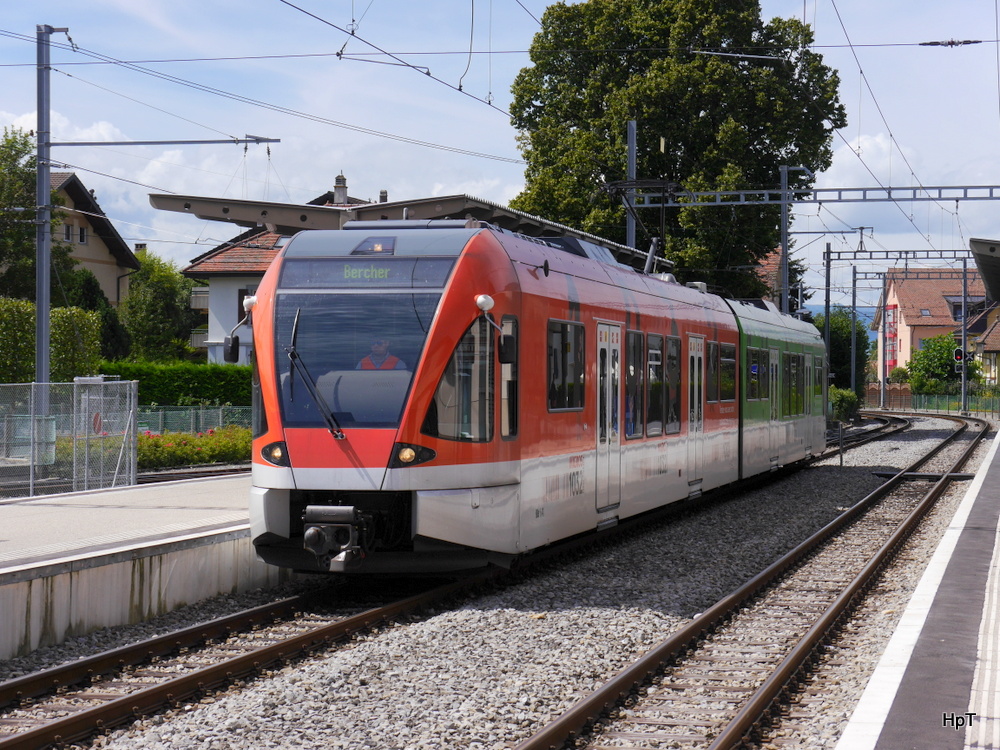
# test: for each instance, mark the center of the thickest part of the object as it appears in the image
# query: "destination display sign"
(390, 272)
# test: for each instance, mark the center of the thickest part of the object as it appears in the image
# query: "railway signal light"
(959, 354)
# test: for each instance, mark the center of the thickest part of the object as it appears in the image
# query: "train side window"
(794, 386)
(566, 365)
(727, 372)
(673, 383)
(712, 375)
(655, 403)
(766, 373)
(753, 374)
(786, 384)
(634, 371)
(462, 408)
(508, 383)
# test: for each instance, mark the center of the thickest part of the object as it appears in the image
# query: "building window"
(83, 235)
(68, 232)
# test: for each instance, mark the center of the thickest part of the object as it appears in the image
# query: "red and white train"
(439, 395)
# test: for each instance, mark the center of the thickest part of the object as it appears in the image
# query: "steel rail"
(756, 707)
(585, 712)
(77, 672)
(129, 707)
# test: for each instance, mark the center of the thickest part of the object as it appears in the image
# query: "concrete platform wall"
(46, 605)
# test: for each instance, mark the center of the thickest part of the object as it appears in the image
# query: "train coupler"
(334, 532)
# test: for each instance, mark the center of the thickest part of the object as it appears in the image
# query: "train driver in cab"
(380, 358)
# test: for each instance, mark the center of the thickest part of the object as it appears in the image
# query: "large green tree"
(840, 349)
(157, 310)
(727, 121)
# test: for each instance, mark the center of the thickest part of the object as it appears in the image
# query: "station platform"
(75, 562)
(937, 685)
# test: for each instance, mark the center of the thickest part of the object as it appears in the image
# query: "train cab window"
(655, 402)
(508, 380)
(462, 408)
(566, 365)
(727, 372)
(820, 374)
(633, 384)
(672, 422)
(712, 374)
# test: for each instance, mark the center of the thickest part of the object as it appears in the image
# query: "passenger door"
(775, 430)
(609, 339)
(696, 413)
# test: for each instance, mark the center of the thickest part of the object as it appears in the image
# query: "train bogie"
(448, 395)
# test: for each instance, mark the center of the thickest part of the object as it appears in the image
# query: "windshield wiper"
(300, 367)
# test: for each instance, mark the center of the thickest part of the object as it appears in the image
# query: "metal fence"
(62, 437)
(192, 419)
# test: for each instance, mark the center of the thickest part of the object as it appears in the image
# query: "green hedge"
(185, 382)
(74, 342)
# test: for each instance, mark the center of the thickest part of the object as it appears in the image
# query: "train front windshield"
(357, 330)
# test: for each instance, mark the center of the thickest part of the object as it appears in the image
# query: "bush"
(74, 342)
(185, 382)
(845, 404)
(172, 449)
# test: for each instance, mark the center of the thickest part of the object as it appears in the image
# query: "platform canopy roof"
(287, 218)
(987, 256)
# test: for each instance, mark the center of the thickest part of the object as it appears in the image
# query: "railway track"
(60, 705)
(74, 701)
(717, 682)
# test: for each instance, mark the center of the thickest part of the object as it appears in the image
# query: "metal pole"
(826, 314)
(43, 229)
(884, 369)
(965, 335)
(630, 195)
(783, 169)
(854, 326)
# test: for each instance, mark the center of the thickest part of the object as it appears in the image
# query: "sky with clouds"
(919, 115)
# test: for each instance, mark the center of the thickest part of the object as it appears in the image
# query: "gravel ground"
(489, 673)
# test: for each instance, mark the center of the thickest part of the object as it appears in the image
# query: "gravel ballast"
(496, 669)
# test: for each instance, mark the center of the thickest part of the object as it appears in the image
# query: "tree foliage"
(726, 123)
(80, 288)
(932, 366)
(17, 217)
(157, 311)
(840, 349)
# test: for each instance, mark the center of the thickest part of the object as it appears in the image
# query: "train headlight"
(275, 453)
(405, 455)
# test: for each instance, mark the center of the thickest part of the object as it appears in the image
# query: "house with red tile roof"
(919, 304)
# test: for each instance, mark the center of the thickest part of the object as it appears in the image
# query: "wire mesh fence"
(63, 437)
(191, 419)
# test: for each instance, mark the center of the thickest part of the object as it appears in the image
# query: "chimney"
(383, 196)
(340, 191)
